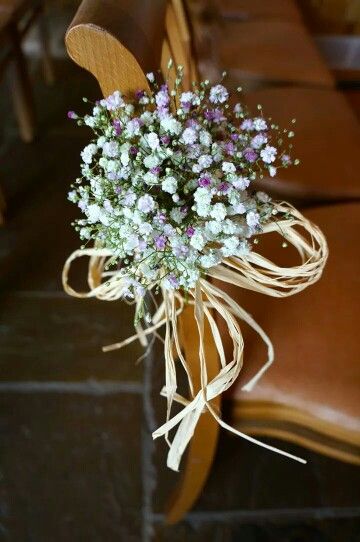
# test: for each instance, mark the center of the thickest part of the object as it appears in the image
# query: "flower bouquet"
(168, 202)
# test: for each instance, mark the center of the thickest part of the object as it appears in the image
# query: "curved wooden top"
(118, 41)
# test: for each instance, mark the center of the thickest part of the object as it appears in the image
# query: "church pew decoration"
(166, 192)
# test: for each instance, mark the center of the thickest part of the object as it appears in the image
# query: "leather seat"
(314, 381)
(285, 10)
(270, 52)
(327, 142)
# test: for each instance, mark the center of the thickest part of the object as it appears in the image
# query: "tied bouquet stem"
(167, 194)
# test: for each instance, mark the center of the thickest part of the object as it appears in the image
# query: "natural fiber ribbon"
(252, 272)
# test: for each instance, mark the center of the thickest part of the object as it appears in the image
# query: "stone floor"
(77, 459)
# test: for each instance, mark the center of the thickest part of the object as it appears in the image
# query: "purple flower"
(204, 181)
(229, 147)
(250, 155)
(139, 94)
(72, 115)
(218, 116)
(165, 139)
(234, 137)
(134, 125)
(117, 189)
(223, 187)
(181, 251)
(173, 281)
(160, 242)
(209, 114)
(247, 124)
(190, 231)
(133, 150)
(214, 115)
(162, 97)
(117, 126)
(162, 112)
(155, 170)
(186, 106)
(192, 123)
(286, 159)
(184, 209)
(160, 218)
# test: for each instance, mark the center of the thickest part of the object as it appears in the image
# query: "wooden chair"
(21, 90)
(16, 18)
(310, 396)
(270, 52)
(258, 51)
(293, 401)
(119, 43)
(243, 10)
(327, 142)
(317, 111)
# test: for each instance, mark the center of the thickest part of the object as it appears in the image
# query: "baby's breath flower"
(169, 193)
(268, 154)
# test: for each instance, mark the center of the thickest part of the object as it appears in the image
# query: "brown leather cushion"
(272, 51)
(315, 333)
(327, 141)
(246, 9)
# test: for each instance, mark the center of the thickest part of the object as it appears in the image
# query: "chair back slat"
(181, 16)
(179, 50)
(185, 37)
(120, 41)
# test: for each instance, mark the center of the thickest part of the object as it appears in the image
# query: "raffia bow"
(252, 272)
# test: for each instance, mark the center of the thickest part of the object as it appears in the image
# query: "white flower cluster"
(167, 187)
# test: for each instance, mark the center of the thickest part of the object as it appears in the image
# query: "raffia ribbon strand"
(252, 272)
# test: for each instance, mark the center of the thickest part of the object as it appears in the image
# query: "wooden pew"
(16, 18)
(243, 10)
(119, 43)
(325, 125)
(259, 51)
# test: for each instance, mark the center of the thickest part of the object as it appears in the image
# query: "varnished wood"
(179, 51)
(282, 421)
(12, 32)
(119, 42)
(332, 17)
(21, 90)
(177, 22)
(48, 65)
(291, 424)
